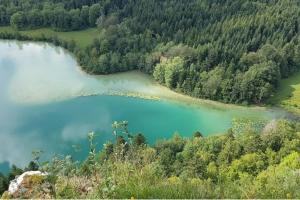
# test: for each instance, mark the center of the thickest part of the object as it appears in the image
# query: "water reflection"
(38, 111)
(41, 74)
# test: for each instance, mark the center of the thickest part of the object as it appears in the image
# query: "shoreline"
(164, 93)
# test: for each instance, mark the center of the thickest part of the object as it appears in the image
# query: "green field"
(82, 38)
(288, 95)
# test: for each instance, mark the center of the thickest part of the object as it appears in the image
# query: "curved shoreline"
(164, 93)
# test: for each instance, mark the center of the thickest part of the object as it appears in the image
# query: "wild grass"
(288, 94)
(83, 38)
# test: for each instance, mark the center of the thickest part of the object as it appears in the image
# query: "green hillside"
(246, 162)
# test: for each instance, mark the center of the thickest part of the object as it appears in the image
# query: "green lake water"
(47, 103)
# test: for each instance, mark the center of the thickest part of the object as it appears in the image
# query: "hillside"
(230, 51)
(245, 162)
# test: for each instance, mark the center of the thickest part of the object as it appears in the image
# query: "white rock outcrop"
(15, 184)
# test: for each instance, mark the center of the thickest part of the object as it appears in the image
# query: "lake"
(47, 103)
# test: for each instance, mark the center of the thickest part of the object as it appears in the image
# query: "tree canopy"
(231, 51)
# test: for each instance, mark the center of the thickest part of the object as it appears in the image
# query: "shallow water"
(47, 103)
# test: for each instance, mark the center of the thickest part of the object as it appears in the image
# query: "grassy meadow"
(288, 94)
(83, 38)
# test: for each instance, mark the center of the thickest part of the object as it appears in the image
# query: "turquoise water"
(47, 103)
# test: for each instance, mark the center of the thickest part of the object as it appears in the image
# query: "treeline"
(60, 15)
(250, 161)
(231, 51)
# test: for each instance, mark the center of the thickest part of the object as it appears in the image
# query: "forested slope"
(231, 51)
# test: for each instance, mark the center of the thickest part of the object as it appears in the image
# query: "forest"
(251, 160)
(229, 51)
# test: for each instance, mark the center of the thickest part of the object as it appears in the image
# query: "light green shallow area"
(47, 103)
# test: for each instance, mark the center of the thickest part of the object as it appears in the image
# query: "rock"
(270, 127)
(24, 183)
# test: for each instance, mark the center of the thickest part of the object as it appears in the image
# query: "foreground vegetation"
(231, 51)
(249, 161)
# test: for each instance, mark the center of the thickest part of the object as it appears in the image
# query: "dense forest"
(231, 51)
(252, 160)
(234, 51)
